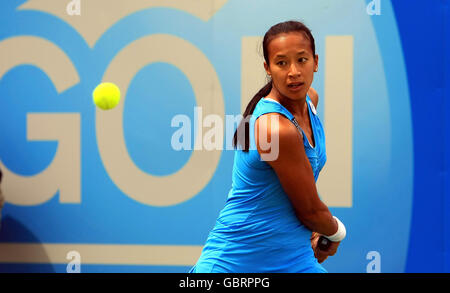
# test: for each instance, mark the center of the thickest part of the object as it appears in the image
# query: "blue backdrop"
(400, 128)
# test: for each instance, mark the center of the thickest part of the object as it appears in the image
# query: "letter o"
(198, 171)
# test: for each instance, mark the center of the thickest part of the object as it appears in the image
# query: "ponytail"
(264, 91)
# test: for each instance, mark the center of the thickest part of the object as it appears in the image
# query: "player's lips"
(295, 85)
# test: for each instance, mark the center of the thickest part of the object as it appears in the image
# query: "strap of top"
(271, 106)
(274, 106)
(296, 125)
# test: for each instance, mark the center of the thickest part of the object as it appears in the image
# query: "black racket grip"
(323, 243)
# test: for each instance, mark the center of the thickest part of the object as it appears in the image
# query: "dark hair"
(272, 33)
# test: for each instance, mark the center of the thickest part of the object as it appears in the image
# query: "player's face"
(291, 64)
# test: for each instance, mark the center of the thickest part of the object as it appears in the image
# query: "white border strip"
(335, 182)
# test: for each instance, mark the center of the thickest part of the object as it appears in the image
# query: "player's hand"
(320, 254)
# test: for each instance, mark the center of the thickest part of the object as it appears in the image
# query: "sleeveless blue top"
(257, 231)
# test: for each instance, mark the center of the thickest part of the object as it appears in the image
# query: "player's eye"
(281, 63)
(302, 60)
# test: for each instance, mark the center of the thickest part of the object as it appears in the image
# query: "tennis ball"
(106, 95)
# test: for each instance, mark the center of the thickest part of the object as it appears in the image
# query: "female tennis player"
(273, 216)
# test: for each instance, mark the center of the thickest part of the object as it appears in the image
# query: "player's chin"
(294, 94)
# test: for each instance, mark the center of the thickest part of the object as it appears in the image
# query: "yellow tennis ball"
(106, 95)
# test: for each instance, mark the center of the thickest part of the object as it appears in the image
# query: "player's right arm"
(295, 174)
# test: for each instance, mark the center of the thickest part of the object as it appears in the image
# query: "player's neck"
(297, 107)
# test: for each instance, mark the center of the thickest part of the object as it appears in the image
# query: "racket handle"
(323, 243)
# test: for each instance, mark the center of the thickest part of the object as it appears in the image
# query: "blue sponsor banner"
(108, 191)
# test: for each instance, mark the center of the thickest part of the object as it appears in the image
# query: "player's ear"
(316, 63)
(267, 68)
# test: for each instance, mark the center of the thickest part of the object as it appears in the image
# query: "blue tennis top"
(257, 231)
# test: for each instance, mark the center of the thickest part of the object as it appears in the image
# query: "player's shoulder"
(276, 138)
(313, 96)
(278, 125)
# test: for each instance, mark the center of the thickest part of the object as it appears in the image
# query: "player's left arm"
(313, 96)
(318, 253)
